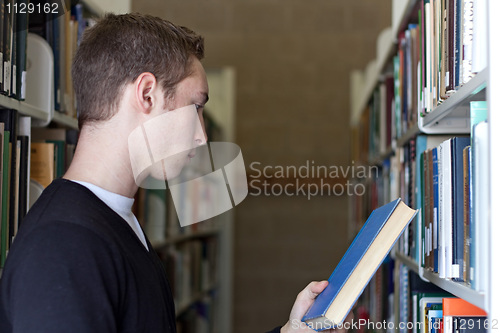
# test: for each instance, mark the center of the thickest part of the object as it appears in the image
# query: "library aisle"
(339, 107)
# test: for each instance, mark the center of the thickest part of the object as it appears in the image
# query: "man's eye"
(198, 106)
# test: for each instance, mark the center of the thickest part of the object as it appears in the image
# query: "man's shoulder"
(66, 214)
(65, 227)
(64, 201)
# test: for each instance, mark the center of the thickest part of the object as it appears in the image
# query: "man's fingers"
(312, 290)
(316, 288)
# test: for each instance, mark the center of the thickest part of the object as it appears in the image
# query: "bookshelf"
(450, 116)
(27, 100)
(456, 288)
(24, 108)
(492, 298)
(37, 113)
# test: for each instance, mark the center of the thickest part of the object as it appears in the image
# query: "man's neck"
(101, 159)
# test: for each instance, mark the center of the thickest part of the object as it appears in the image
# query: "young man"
(80, 262)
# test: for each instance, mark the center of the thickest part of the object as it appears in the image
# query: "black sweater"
(76, 266)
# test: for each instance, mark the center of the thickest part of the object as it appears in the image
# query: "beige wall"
(292, 61)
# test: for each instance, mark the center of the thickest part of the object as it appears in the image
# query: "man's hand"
(304, 300)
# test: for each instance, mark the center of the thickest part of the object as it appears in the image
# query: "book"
(478, 114)
(57, 136)
(466, 221)
(434, 317)
(457, 170)
(42, 162)
(426, 303)
(24, 135)
(479, 36)
(2, 11)
(365, 254)
(445, 210)
(9, 118)
(4, 226)
(453, 306)
(478, 228)
(21, 36)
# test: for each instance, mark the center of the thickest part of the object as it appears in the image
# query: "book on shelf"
(13, 26)
(4, 224)
(479, 36)
(8, 31)
(62, 32)
(438, 53)
(442, 189)
(42, 162)
(13, 56)
(478, 114)
(420, 293)
(359, 263)
(458, 146)
(422, 194)
(24, 137)
(21, 36)
(2, 11)
(56, 136)
(426, 305)
(9, 118)
(480, 198)
(466, 207)
(434, 319)
(13, 190)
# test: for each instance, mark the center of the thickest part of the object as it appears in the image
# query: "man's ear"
(146, 94)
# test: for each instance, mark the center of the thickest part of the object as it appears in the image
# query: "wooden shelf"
(409, 262)
(456, 288)
(456, 110)
(410, 133)
(38, 114)
(25, 109)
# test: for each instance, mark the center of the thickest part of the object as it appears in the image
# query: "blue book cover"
(421, 146)
(435, 317)
(355, 253)
(435, 183)
(457, 172)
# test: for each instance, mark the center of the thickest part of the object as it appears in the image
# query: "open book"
(357, 266)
